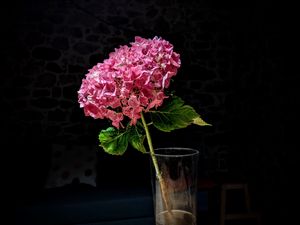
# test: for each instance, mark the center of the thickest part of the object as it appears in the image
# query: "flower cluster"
(131, 80)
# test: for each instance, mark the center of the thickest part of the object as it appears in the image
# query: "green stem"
(152, 154)
(154, 160)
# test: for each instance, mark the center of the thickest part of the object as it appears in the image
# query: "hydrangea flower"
(132, 80)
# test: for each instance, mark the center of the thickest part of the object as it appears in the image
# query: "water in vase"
(177, 217)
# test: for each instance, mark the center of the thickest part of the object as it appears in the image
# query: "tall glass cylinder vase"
(174, 191)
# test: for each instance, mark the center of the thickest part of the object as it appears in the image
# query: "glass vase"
(174, 194)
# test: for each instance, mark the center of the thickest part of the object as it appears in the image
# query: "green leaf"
(114, 141)
(199, 121)
(137, 140)
(175, 115)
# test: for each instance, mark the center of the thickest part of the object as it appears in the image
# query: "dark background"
(232, 74)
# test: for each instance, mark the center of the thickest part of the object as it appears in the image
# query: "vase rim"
(184, 152)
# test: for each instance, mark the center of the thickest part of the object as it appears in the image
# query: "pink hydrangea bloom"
(131, 80)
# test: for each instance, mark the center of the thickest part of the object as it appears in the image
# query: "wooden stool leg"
(247, 197)
(223, 206)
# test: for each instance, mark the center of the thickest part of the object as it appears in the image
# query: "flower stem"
(157, 171)
(150, 146)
